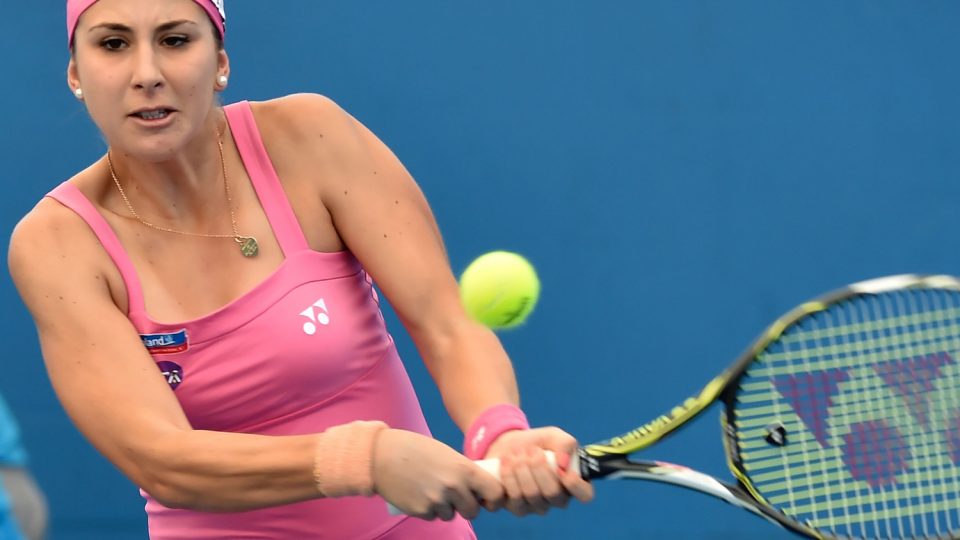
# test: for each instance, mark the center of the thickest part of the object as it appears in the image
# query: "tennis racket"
(842, 420)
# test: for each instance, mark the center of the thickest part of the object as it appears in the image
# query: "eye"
(174, 41)
(113, 44)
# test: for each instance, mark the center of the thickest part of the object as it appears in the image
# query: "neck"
(185, 190)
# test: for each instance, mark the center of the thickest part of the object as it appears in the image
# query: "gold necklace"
(248, 244)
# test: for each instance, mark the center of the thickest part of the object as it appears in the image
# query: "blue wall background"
(680, 172)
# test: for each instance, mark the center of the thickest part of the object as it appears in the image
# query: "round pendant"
(248, 246)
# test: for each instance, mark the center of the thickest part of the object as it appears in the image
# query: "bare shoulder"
(53, 248)
(295, 108)
(303, 117)
(45, 231)
(309, 127)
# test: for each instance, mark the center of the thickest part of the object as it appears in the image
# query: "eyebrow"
(117, 27)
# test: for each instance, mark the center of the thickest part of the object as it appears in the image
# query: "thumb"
(561, 443)
(557, 440)
(486, 486)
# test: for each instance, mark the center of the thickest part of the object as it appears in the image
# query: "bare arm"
(384, 219)
(115, 395)
(113, 392)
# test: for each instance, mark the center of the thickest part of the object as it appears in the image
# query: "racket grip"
(492, 466)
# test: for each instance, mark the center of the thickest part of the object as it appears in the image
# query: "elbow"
(165, 470)
(168, 481)
(179, 473)
(435, 331)
(182, 491)
(168, 491)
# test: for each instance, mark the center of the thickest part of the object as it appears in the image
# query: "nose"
(147, 74)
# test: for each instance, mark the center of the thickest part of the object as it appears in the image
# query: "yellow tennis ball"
(499, 289)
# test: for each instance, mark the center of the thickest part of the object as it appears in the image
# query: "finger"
(515, 502)
(421, 510)
(548, 482)
(443, 510)
(528, 485)
(426, 515)
(493, 506)
(575, 485)
(487, 489)
(559, 441)
(464, 502)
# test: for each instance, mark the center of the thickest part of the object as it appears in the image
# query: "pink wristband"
(343, 462)
(492, 423)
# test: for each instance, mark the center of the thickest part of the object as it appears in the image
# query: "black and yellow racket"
(842, 420)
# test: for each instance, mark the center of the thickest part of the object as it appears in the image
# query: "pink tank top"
(304, 350)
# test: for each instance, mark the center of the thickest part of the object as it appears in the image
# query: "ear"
(223, 65)
(73, 77)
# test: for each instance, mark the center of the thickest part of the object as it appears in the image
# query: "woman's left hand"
(531, 483)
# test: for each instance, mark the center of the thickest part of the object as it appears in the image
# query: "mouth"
(153, 114)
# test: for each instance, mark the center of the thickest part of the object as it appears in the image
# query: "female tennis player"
(204, 300)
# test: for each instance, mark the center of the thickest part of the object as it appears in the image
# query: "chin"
(155, 147)
(155, 153)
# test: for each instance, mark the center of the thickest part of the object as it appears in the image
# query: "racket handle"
(492, 466)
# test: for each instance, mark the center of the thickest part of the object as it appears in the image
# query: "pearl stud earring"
(79, 93)
(222, 80)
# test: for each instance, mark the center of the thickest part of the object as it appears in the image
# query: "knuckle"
(563, 437)
(435, 497)
(442, 511)
(467, 471)
(553, 493)
(517, 508)
(469, 511)
(425, 514)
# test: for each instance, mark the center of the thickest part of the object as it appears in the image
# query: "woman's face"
(149, 70)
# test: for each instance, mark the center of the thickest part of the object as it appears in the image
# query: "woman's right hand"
(427, 479)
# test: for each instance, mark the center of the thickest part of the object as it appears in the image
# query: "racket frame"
(608, 458)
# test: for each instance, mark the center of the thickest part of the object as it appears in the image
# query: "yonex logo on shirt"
(318, 314)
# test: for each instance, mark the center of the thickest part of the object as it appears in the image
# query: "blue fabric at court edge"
(12, 451)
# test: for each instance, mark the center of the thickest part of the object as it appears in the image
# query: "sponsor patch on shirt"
(170, 343)
(172, 372)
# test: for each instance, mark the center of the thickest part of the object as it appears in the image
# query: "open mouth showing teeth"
(153, 115)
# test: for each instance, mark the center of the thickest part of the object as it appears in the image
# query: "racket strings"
(867, 392)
